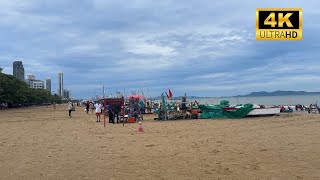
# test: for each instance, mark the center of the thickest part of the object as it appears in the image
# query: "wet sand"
(42, 143)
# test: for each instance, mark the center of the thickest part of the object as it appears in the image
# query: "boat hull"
(264, 111)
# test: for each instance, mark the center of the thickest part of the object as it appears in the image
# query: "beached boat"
(287, 111)
(264, 111)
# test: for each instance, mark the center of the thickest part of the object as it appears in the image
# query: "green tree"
(17, 93)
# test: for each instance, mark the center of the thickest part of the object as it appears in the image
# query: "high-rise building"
(60, 91)
(48, 85)
(18, 70)
(1, 69)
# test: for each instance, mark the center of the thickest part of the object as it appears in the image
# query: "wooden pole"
(104, 113)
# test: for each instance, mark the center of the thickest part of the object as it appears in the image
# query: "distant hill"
(278, 93)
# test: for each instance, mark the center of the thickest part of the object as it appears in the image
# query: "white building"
(30, 79)
(37, 84)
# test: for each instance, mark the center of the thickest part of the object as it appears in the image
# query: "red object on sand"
(131, 120)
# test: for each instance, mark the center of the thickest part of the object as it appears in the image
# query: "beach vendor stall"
(113, 107)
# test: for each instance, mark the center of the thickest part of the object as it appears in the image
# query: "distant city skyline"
(18, 72)
(41, 83)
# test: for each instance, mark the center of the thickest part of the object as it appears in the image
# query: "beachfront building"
(66, 94)
(48, 84)
(38, 84)
(18, 70)
(60, 90)
(30, 79)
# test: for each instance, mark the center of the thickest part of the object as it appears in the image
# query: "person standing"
(98, 107)
(142, 107)
(116, 110)
(70, 107)
(87, 107)
(92, 107)
(111, 114)
(148, 107)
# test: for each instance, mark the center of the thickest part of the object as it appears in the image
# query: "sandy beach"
(43, 143)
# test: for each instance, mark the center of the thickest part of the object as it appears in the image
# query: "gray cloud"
(200, 47)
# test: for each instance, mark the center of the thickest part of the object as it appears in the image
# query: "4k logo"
(279, 24)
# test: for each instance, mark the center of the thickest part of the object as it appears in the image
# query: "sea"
(263, 100)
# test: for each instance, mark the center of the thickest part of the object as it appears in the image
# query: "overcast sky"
(201, 47)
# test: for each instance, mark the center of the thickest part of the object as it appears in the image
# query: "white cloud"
(136, 65)
(141, 47)
(210, 76)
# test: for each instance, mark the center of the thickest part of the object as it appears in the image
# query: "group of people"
(139, 105)
(136, 108)
(98, 107)
(113, 111)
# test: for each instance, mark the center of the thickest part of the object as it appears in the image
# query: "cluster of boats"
(224, 110)
(167, 109)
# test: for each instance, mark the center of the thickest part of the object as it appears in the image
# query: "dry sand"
(40, 143)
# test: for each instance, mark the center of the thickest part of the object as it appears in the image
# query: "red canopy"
(136, 96)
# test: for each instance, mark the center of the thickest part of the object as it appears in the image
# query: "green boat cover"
(217, 111)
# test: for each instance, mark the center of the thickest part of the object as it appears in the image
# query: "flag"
(167, 95)
(170, 93)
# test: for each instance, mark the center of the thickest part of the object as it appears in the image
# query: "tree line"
(16, 93)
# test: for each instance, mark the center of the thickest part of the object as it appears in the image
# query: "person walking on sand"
(98, 107)
(70, 106)
(54, 105)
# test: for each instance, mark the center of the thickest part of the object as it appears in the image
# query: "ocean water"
(264, 100)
